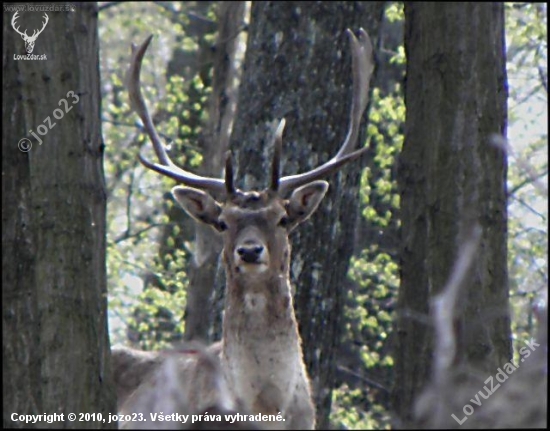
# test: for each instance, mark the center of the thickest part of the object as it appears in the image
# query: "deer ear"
(304, 201)
(198, 204)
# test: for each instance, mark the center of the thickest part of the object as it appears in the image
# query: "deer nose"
(250, 253)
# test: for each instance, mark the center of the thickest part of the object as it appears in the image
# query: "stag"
(29, 40)
(260, 352)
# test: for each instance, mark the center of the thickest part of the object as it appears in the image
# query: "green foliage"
(147, 283)
(158, 315)
(346, 415)
(394, 12)
(364, 403)
(526, 34)
(375, 274)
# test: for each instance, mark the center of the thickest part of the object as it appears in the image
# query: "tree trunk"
(450, 176)
(202, 272)
(297, 66)
(56, 346)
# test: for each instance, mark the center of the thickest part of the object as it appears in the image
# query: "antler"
(35, 33)
(166, 166)
(275, 167)
(362, 66)
(17, 28)
(34, 36)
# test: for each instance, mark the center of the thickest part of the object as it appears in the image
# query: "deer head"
(255, 224)
(29, 40)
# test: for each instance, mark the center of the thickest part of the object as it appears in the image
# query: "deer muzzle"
(251, 256)
(250, 253)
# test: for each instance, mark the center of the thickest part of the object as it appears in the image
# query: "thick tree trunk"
(450, 176)
(297, 66)
(55, 338)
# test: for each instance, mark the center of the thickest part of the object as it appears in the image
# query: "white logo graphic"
(29, 40)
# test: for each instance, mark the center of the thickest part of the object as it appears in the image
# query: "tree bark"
(450, 177)
(56, 346)
(297, 66)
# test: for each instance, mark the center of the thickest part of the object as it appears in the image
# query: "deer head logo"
(29, 40)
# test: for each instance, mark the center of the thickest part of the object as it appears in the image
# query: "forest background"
(196, 86)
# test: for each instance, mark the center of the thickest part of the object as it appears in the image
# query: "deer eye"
(222, 225)
(284, 221)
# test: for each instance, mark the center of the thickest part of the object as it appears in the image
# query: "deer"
(29, 40)
(260, 351)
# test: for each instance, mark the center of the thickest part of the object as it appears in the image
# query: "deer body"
(260, 355)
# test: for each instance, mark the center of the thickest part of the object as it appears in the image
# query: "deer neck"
(259, 311)
(258, 306)
(262, 355)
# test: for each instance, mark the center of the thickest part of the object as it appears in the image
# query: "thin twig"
(502, 143)
(127, 235)
(363, 378)
(529, 207)
(543, 78)
(526, 182)
(443, 308)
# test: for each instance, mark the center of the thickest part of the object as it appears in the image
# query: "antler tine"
(166, 166)
(44, 24)
(362, 67)
(229, 187)
(278, 145)
(17, 28)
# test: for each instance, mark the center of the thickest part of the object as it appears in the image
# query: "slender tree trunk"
(297, 66)
(55, 338)
(202, 273)
(450, 176)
